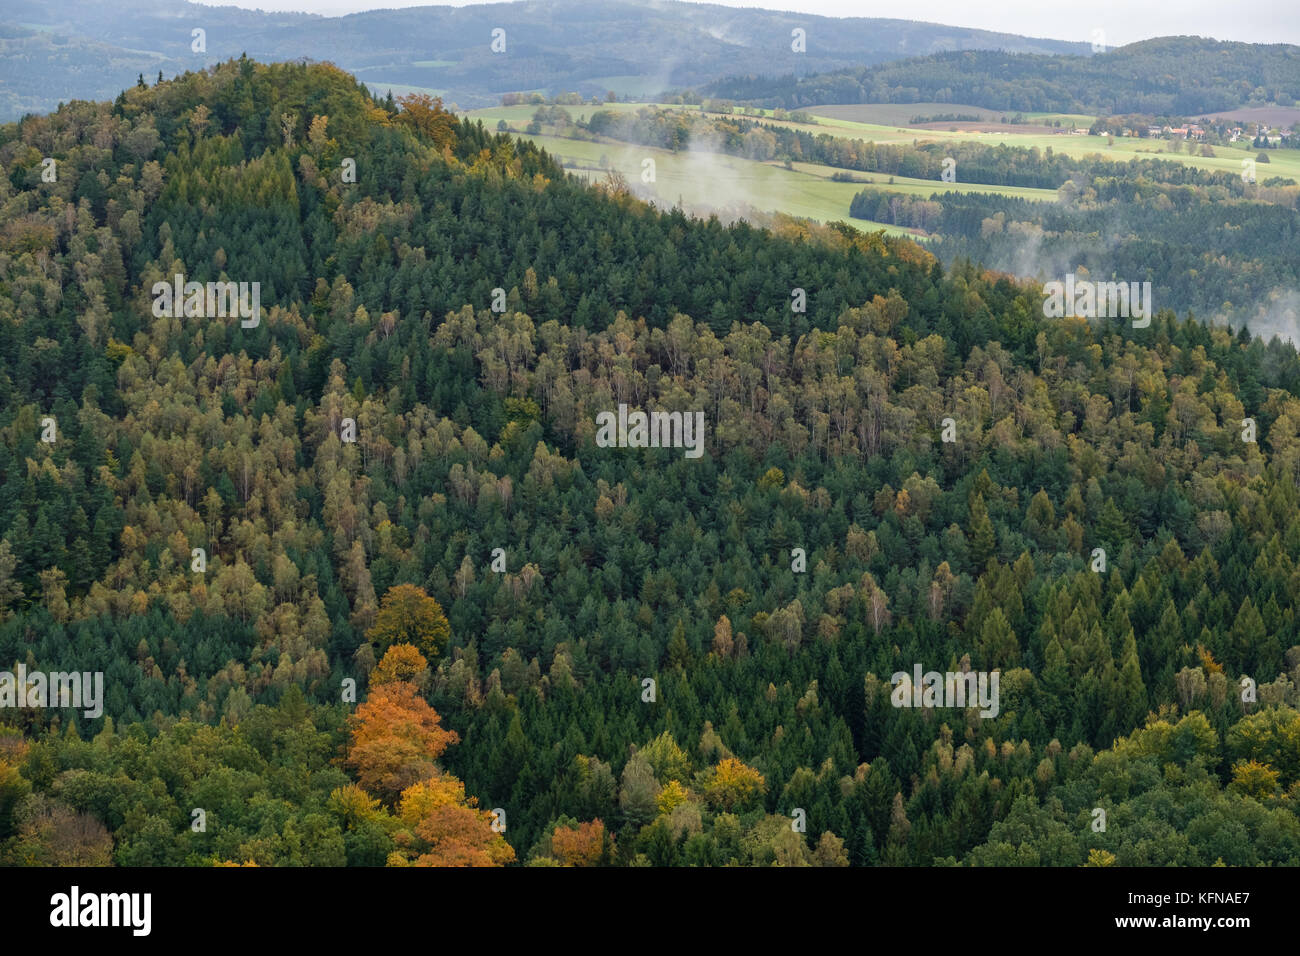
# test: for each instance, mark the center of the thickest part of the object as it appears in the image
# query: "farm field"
(520, 115)
(925, 187)
(835, 121)
(807, 189)
(850, 121)
(1282, 162)
(891, 122)
(1283, 116)
(712, 181)
(898, 116)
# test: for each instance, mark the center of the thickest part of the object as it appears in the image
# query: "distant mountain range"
(61, 50)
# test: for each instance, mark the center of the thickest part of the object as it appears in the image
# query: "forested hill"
(1168, 76)
(356, 569)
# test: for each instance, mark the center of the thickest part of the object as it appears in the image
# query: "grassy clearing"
(900, 114)
(701, 181)
(1282, 162)
(926, 187)
(1228, 158)
(1066, 119)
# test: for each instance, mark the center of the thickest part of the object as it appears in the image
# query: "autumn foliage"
(425, 115)
(409, 616)
(732, 785)
(445, 828)
(583, 845)
(396, 737)
(402, 662)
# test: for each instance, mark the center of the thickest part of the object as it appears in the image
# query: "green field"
(702, 181)
(1071, 119)
(806, 190)
(897, 115)
(1282, 162)
(922, 187)
(706, 180)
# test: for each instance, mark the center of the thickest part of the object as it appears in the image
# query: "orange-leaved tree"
(396, 737)
(445, 828)
(424, 114)
(583, 845)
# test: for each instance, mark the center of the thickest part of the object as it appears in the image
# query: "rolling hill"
(1167, 75)
(88, 49)
(429, 589)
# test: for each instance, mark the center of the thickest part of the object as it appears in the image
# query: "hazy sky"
(1123, 21)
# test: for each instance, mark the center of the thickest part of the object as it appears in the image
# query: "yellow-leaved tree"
(732, 785)
(409, 616)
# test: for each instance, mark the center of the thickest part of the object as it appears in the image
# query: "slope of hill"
(89, 49)
(394, 476)
(1165, 76)
(1208, 241)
